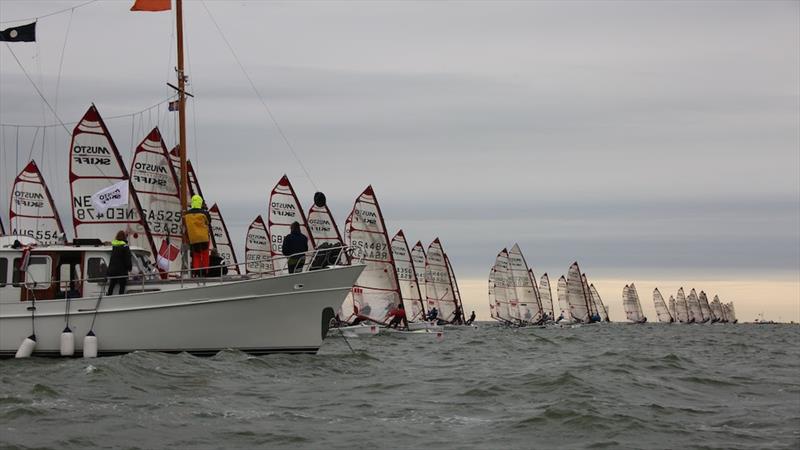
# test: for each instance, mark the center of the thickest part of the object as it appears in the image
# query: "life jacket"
(196, 222)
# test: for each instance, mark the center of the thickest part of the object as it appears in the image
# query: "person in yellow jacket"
(197, 226)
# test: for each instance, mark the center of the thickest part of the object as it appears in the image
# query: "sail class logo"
(111, 197)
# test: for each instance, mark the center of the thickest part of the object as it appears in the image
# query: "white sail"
(95, 164)
(191, 176)
(726, 315)
(322, 227)
(257, 255)
(577, 296)
(563, 301)
(716, 309)
(672, 311)
(631, 304)
(547, 297)
(506, 310)
(598, 302)
(156, 183)
(695, 315)
(661, 307)
(284, 209)
(681, 308)
(418, 259)
(705, 308)
(407, 278)
(732, 313)
(222, 239)
(454, 286)
(439, 291)
(520, 280)
(376, 291)
(31, 209)
(594, 312)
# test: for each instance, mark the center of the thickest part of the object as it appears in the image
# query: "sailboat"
(672, 311)
(632, 305)
(598, 304)
(438, 288)
(693, 304)
(716, 309)
(154, 180)
(578, 295)
(681, 307)
(563, 302)
(705, 308)
(65, 283)
(32, 211)
(257, 255)
(546, 295)
(418, 258)
(460, 319)
(284, 209)
(522, 282)
(407, 278)
(377, 290)
(498, 279)
(661, 307)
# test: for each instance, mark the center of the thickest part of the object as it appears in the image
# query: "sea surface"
(596, 386)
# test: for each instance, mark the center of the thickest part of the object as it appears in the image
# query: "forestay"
(376, 291)
(31, 209)
(546, 295)
(661, 307)
(284, 209)
(257, 256)
(598, 302)
(438, 289)
(407, 277)
(577, 296)
(521, 281)
(222, 239)
(681, 308)
(95, 164)
(156, 183)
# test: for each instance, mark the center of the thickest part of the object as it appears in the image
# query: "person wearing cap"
(197, 227)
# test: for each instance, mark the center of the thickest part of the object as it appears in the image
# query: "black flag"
(22, 33)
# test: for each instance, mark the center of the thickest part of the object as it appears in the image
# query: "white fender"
(67, 342)
(26, 348)
(90, 345)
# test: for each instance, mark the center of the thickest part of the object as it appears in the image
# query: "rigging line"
(63, 51)
(119, 116)
(60, 11)
(37, 88)
(258, 94)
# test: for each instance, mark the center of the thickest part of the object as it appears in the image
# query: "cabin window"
(96, 270)
(37, 275)
(3, 271)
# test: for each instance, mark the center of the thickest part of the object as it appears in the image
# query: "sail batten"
(32, 211)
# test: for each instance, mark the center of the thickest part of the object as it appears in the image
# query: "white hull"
(360, 330)
(288, 313)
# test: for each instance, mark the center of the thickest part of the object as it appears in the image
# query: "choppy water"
(617, 386)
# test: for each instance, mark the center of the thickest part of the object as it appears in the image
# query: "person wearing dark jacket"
(120, 264)
(294, 243)
(216, 266)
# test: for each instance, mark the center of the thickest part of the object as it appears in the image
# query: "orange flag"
(152, 5)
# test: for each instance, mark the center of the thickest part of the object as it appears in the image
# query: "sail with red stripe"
(31, 209)
(284, 209)
(95, 164)
(222, 239)
(156, 183)
(407, 277)
(323, 227)
(257, 256)
(376, 291)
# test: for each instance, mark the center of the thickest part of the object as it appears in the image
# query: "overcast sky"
(647, 140)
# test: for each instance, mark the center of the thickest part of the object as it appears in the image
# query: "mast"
(181, 108)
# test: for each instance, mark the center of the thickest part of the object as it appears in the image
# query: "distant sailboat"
(716, 309)
(284, 209)
(577, 295)
(418, 259)
(695, 314)
(456, 291)
(598, 303)
(376, 291)
(439, 291)
(95, 164)
(504, 286)
(681, 307)
(222, 239)
(705, 308)
(257, 255)
(672, 311)
(546, 295)
(632, 305)
(523, 284)
(563, 302)
(407, 278)
(156, 183)
(32, 212)
(499, 279)
(661, 307)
